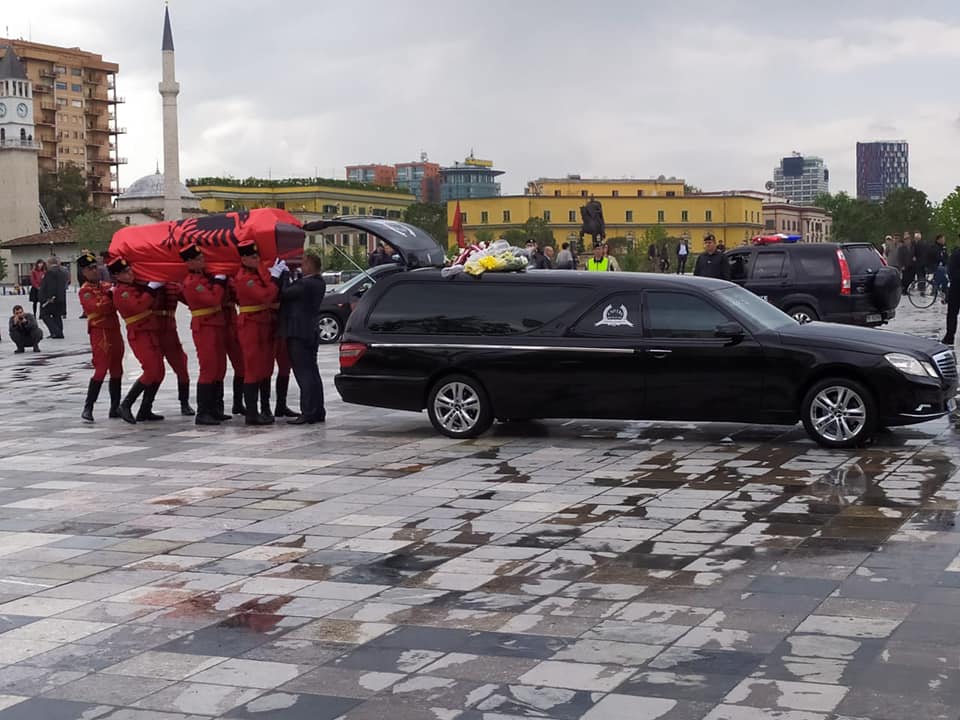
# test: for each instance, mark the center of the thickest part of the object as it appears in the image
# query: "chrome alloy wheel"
(457, 407)
(801, 317)
(329, 328)
(838, 413)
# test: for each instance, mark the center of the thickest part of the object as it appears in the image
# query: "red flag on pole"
(457, 226)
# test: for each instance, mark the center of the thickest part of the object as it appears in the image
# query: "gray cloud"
(715, 93)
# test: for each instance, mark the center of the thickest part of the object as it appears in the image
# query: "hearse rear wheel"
(839, 413)
(459, 408)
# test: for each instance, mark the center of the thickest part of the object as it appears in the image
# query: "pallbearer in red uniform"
(135, 302)
(168, 298)
(96, 299)
(204, 295)
(257, 293)
(234, 352)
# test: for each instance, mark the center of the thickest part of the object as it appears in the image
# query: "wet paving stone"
(559, 570)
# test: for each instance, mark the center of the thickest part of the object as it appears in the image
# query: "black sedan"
(562, 344)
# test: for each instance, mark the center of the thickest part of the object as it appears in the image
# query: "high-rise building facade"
(882, 166)
(421, 179)
(372, 174)
(801, 178)
(75, 109)
(19, 190)
(473, 178)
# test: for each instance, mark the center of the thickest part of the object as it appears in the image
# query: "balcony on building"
(42, 88)
(117, 131)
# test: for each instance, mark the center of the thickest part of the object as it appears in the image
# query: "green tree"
(854, 220)
(93, 230)
(537, 230)
(64, 194)
(429, 217)
(340, 258)
(484, 235)
(907, 209)
(691, 189)
(515, 236)
(946, 217)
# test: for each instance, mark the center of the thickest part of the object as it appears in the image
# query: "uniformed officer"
(106, 342)
(135, 302)
(168, 298)
(204, 295)
(256, 327)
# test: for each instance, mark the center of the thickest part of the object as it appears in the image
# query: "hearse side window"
(471, 308)
(616, 316)
(678, 315)
(769, 265)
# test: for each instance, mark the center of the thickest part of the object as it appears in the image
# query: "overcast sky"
(714, 92)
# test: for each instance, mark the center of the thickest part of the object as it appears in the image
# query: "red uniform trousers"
(211, 353)
(170, 346)
(146, 346)
(257, 340)
(107, 346)
(232, 340)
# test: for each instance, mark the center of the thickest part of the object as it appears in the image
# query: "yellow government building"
(630, 207)
(304, 197)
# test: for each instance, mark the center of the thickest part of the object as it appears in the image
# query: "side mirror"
(729, 331)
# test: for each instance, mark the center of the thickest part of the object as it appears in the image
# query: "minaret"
(169, 89)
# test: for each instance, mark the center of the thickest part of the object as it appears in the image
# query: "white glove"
(275, 271)
(154, 285)
(219, 277)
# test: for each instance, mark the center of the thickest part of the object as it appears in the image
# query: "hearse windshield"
(758, 311)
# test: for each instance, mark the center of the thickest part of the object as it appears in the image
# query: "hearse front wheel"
(839, 413)
(459, 408)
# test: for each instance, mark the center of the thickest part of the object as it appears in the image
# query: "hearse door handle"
(659, 352)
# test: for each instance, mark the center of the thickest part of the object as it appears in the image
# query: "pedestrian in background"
(939, 259)
(300, 302)
(890, 251)
(653, 255)
(24, 330)
(565, 258)
(548, 254)
(612, 259)
(953, 297)
(664, 260)
(712, 262)
(906, 260)
(36, 277)
(53, 298)
(683, 251)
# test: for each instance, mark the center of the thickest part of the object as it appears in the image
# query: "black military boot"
(250, 393)
(281, 409)
(206, 404)
(93, 392)
(126, 407)
(265, 401)
(114, 397)
(216, 397)
(238, 395)
(183, 393)
(146, 407)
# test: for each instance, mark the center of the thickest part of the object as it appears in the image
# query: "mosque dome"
(147, 192)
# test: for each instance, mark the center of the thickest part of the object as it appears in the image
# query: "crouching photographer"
(24, 330)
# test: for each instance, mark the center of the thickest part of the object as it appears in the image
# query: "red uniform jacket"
(97, 302)
(135, 304)
(205, 298)
(256, 296)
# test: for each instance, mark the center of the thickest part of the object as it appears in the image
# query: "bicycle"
(924, 290)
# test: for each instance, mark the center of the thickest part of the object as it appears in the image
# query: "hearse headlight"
(909, 365)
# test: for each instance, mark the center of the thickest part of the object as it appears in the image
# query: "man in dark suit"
(53, 298)
(299, 311)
